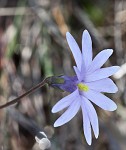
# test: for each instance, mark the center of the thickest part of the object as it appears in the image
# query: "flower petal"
(100, 100)
(92, 116)
(86, 124)
(100, 59)
(103, 85)
(65, 102)
(101, 73)
(77, 73)
(69, 113)
(83, 70)
(80, 74)
(87, 48)
(75, 49)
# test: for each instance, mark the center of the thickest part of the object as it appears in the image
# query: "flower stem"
(25, 94)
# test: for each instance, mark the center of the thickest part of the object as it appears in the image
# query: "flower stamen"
(83, 87)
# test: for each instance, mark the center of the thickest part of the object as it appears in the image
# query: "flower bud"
(63, 83)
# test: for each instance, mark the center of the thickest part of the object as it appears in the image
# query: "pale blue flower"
(86, 86)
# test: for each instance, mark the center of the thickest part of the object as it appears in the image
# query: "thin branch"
(25, 94)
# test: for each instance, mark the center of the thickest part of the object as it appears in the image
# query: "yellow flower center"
(83, 87)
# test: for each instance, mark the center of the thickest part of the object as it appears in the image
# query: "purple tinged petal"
(99, 60)
(69, 113)
(68, 85)
(75, 49)
(86, 124)
(83, 70)
(103, 85)
(65, 102)
(101, 73)
(92, 116)
(87, 48)
(77, 73)
(80, 74)
(100, 100)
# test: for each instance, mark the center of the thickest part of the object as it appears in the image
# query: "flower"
(86, 86)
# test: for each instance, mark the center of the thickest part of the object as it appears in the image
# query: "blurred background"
(33, 46)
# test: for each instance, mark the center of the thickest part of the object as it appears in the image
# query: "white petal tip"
(116, 89)
(86, 33)
(113, 108)
(89, 142)
(117, 68)
(96, 136)
(67, 34)
(56, 124)
(53, 110)
(110, 51)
